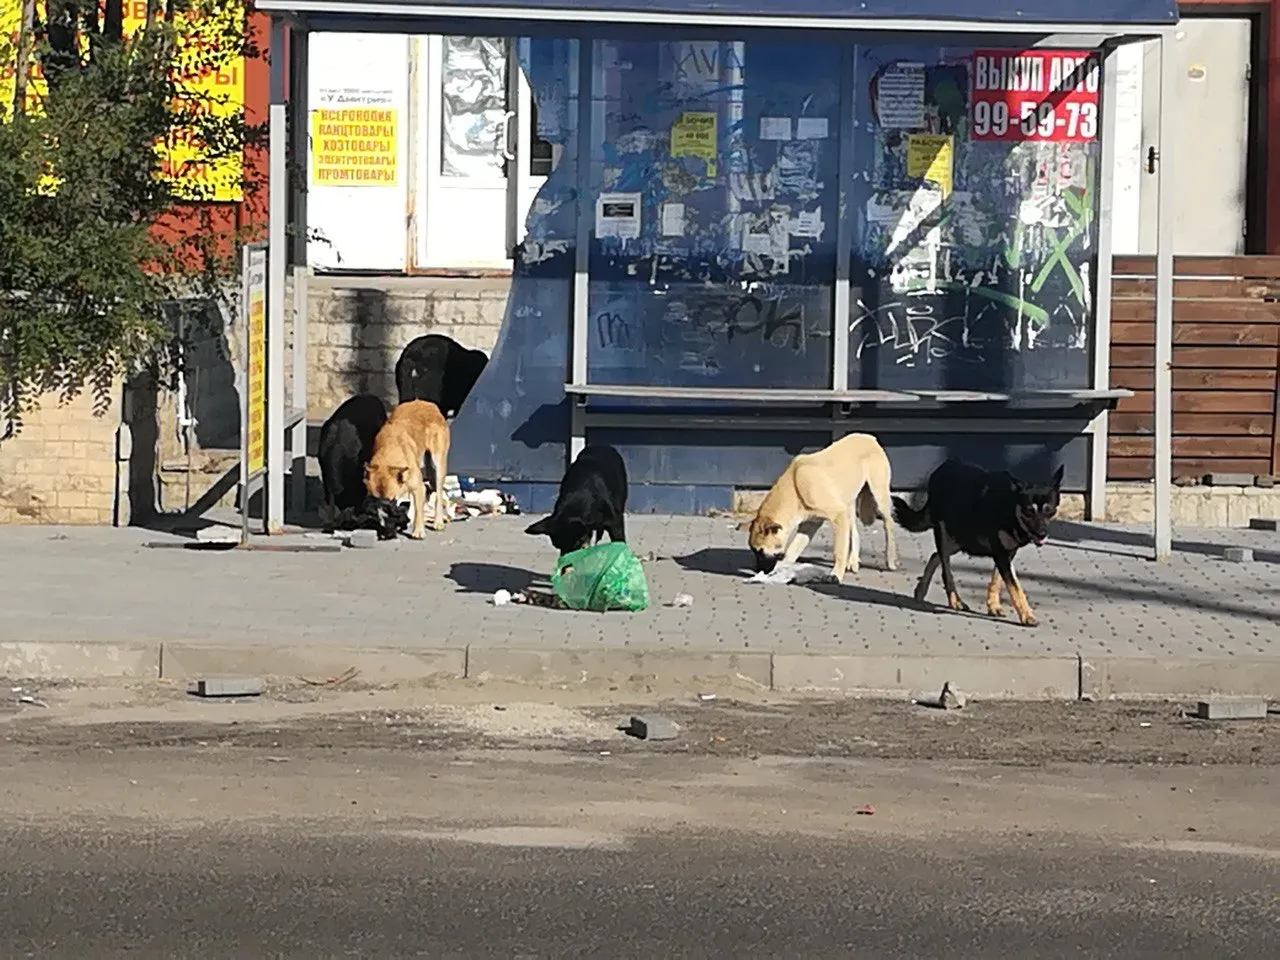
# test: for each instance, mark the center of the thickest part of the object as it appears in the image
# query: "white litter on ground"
(793, 573)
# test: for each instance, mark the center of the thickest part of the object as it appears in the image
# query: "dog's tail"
(911, 519)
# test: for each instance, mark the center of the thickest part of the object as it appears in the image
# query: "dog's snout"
(765, 562)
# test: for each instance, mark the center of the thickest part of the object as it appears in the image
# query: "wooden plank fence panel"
(1226, 358)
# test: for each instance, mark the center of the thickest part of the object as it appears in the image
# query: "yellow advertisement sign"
(694, 135)
(192, 173)
(255, 444)
(931, 157)
(354, 147)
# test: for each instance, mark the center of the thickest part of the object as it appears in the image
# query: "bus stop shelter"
(769, 229)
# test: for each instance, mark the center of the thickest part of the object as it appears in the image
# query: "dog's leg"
(842, 523)
(1004, 564)
(855, 543)
(418, 494)
(993, 594)
(617, 530)
(800, 539)
(881, 505)
(439, 463)
(926, 578)
(945, 547)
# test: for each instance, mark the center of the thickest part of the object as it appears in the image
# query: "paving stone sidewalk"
(1091, 586)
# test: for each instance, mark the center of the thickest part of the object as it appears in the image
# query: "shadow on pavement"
(491, 577)
(1083, 536)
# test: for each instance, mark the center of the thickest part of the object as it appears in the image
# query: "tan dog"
(414, 428)
(850, 476)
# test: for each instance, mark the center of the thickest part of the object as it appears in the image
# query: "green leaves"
(84, 273)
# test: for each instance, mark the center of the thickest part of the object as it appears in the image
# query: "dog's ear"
(744, 525)
(402, 475)
(1057, 476)
(540, 528)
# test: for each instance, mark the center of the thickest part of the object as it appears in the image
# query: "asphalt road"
(242, 853)
(222, 893)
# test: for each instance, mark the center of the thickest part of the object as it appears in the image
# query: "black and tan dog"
(982, 513)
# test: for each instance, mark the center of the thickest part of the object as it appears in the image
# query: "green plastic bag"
(607, 576)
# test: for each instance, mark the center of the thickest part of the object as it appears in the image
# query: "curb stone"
(989, 677)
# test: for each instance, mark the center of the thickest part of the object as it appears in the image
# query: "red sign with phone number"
(1045, 95)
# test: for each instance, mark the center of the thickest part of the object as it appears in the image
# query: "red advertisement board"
(1047, 95)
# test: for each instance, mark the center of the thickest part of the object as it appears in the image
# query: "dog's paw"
(995, 611)
(957, 604)
(1029, 621)
(921, 589)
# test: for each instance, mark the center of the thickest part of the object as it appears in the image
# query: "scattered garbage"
(32, 701)
(682, 600)
(1145, 723)
(785, 573)
(501, 598)
(607, 576)
(706, 697)
(652, 727)
(866, 810)
(226, 687)
(464, 500)
(947, 699)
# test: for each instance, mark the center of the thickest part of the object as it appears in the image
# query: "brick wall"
(357, 329)
(61, 465)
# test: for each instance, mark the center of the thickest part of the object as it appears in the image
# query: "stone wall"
(64, 464)
(356, 329)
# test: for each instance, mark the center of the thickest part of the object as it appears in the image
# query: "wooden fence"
(1226, 352)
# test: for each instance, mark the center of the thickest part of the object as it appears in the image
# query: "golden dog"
(414, 428)
(850, 476)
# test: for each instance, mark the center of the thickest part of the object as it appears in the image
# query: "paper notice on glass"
(900, 96)
(618, 215)
(765, 234)
(931, 157)
(694, 135)
(673, 219)
(811, 128)
(775, 128)
(909, 217)
(808, 223)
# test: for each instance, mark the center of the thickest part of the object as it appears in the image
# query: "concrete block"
(1264, 480)
(1237, 554)
(1141, 678)
(994, 678)
(226, 687)
(691, 668)
(1252, 709)
(79, 661)
(1264, 523)
(650, 726)
(190, 660)
(1229, 479)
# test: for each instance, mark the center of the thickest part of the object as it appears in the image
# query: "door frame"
(516, 144)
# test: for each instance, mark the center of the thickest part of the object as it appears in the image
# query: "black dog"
(983, 513)
(439, 369)
(346, 443)
(592, 500)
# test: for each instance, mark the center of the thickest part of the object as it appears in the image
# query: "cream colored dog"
(414, 429)
(849, 477)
